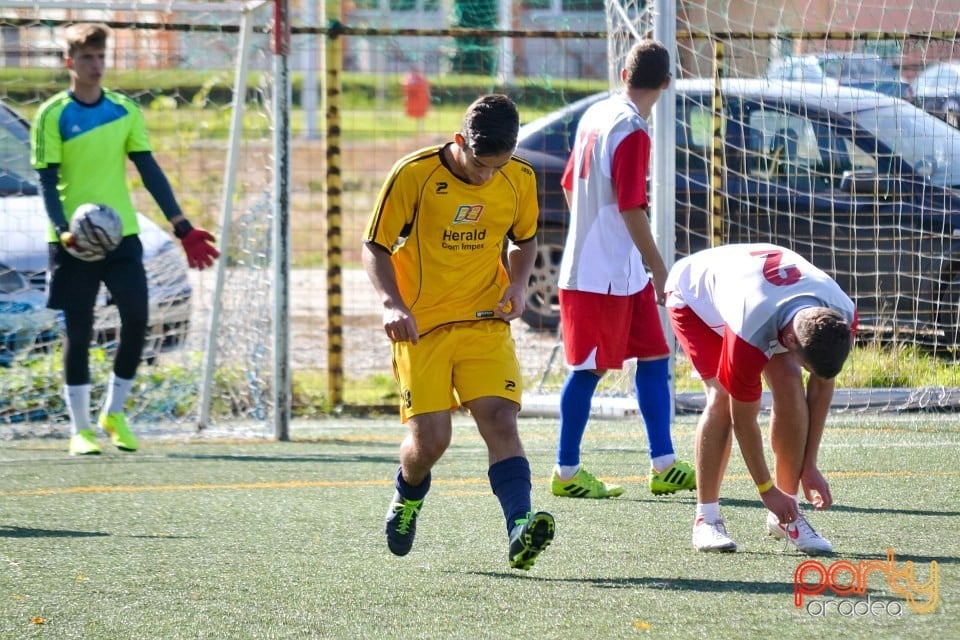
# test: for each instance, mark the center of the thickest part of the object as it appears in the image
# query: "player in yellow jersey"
(432, 250)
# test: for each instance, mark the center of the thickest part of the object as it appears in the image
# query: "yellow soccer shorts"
(456, 363)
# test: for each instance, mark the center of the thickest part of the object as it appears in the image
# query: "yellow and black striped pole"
(715, 191)
(334, 55)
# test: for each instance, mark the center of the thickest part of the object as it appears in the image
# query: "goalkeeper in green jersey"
(79, 144)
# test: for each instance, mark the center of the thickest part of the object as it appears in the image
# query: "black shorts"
(74, 283)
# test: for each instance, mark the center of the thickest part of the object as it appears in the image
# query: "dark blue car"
(862, 184)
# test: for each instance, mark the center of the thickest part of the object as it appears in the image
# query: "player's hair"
(825, 339)
(490, 125)
(85, 34)
(647, 65)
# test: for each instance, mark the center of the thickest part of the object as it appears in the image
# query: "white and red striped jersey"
(607, 174)
(748, 293)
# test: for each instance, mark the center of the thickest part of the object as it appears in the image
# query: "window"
(694, 134)
(398, 5)
(14, 153)
(583, 5)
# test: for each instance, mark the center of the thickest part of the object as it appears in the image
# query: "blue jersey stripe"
(77, 118)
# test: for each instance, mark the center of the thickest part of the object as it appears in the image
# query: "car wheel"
(947, 319)
(542, 312)
(951, 318)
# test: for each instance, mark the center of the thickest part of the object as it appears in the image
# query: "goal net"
(202, 74)
(836, 137)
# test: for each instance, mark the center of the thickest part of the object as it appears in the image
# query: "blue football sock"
(409, 491)
(510, 481)
(575, 399)
(653, 395)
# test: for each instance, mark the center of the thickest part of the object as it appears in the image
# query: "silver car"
(25, 323)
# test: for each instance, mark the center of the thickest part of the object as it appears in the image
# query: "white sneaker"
(800, 534)
(711, 536)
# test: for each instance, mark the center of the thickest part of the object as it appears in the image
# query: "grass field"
(240, 539)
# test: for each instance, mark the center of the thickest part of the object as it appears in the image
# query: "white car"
(25, 322)
(937, 89)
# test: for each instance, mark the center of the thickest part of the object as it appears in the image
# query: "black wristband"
(182, 228)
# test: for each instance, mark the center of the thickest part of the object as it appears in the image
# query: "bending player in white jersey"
(745, 311)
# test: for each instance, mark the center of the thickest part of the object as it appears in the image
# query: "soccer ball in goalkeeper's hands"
(97, 230)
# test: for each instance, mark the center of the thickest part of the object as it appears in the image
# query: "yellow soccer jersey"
(446, 235)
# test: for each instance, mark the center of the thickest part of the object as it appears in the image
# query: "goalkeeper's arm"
(49, 177)
(157, 184)
(197, 243)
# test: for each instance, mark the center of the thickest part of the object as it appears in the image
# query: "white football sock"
(117, 392)
(566, 472)
(660, 463)
(710, 512)
(77, 397)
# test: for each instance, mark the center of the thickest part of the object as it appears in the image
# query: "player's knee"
(432, 449)
(500, 426)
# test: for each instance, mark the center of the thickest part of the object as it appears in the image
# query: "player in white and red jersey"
(608, 303)
(746, 311)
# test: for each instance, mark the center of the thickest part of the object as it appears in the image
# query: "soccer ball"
(97, 230)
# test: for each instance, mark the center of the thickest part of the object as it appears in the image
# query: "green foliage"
(204, 89)
(33, 389)
(363, 91)
(310, 399)
(169, 390)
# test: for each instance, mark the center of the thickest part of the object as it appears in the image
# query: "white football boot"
(800, 534)
(711, 536)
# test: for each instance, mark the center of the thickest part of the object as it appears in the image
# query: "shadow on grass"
(842, 508)
(845, 508)
(26, 532)
(900, 558)
(313, 457)
(671, 584)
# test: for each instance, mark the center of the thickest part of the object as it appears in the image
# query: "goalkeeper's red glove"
(67, 241)
(197, 244)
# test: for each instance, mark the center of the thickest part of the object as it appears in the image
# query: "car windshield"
(919, 138)
(16, 174)
(849, 70)
(807, 71)
(947, 78)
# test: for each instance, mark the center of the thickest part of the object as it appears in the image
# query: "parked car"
(936, 90)
(25, 323)
(862, 184)
(860, 70)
